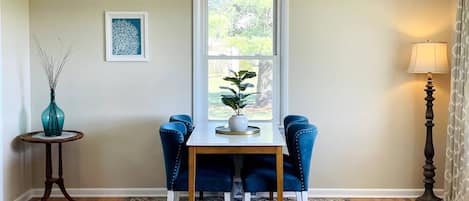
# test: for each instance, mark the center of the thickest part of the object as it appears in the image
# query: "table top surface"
(204, 135)
(36, 137)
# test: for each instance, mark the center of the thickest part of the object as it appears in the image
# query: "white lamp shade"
(429, 57)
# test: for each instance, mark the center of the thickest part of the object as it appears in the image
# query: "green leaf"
(244, 86)
(234, 80)
(242, 72)
(229, 102)
(243, 105)
(231, 79)
(229, 88)
(249, 75)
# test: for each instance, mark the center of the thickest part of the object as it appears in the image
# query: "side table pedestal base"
(51, 181)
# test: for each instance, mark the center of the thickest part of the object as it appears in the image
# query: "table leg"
(60, 181)
(49, 181)
(60, 161)
(192, 172)
(279, 157)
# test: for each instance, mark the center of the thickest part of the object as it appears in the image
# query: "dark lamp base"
(428, 196)
(429, 152)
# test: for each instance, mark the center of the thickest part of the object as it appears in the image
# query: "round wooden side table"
(38, 137)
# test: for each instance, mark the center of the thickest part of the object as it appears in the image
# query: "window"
(238, 35)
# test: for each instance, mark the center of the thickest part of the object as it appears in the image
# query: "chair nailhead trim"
(176, 168)
(178, 156)
(297, 135)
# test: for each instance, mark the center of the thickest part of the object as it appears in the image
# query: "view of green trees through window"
(241, 28)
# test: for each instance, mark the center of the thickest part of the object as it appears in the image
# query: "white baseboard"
(26, 196)
(367, 193)
(105, 192)
(161, 192)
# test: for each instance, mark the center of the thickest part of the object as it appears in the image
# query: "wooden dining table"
(204, 140)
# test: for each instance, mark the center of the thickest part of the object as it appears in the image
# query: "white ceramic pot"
(238, 123)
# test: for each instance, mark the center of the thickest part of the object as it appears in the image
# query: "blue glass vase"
(52, 118)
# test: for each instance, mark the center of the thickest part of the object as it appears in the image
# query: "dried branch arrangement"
(53, 66)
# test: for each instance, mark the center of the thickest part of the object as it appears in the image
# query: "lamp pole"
(429, 168)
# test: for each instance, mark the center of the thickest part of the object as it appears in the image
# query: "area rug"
(221, 199)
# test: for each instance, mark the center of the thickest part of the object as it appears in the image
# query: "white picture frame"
(126, 36)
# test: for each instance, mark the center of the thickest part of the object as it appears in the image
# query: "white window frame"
(201, 57)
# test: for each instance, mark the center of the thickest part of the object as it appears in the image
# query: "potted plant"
(237, 100)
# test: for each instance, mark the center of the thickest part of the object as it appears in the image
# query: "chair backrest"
(185, 119)
(294, 119)
(172, 138)
(291, 119)
(300, 142)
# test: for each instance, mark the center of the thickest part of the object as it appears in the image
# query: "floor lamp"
(429, 57)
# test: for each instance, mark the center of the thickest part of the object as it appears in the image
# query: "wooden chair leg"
(299, 196)
(170, 196)
(247, 196)
(227, 196)
(271, 196)
(304, 195)
(201, 195)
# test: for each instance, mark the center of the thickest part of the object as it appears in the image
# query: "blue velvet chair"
(287, 121)
(269, 159)
(290, 119)
(185, 119)
(294, 119)
(259, 174)
(211, 176)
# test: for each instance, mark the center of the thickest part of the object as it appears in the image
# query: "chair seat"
(259, 174)
(213, 174)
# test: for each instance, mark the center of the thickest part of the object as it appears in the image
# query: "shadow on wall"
(17, 163)
(23, 115)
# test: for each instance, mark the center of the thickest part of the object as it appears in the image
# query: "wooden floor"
(122, 199)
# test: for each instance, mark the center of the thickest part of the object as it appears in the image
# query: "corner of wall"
(15, 101)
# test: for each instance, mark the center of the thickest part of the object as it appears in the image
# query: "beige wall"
(119, 105)
(347, 73)
(15, 94)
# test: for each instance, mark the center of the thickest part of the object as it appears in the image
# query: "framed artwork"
(126, 36)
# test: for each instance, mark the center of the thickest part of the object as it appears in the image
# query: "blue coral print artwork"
(126, 36)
